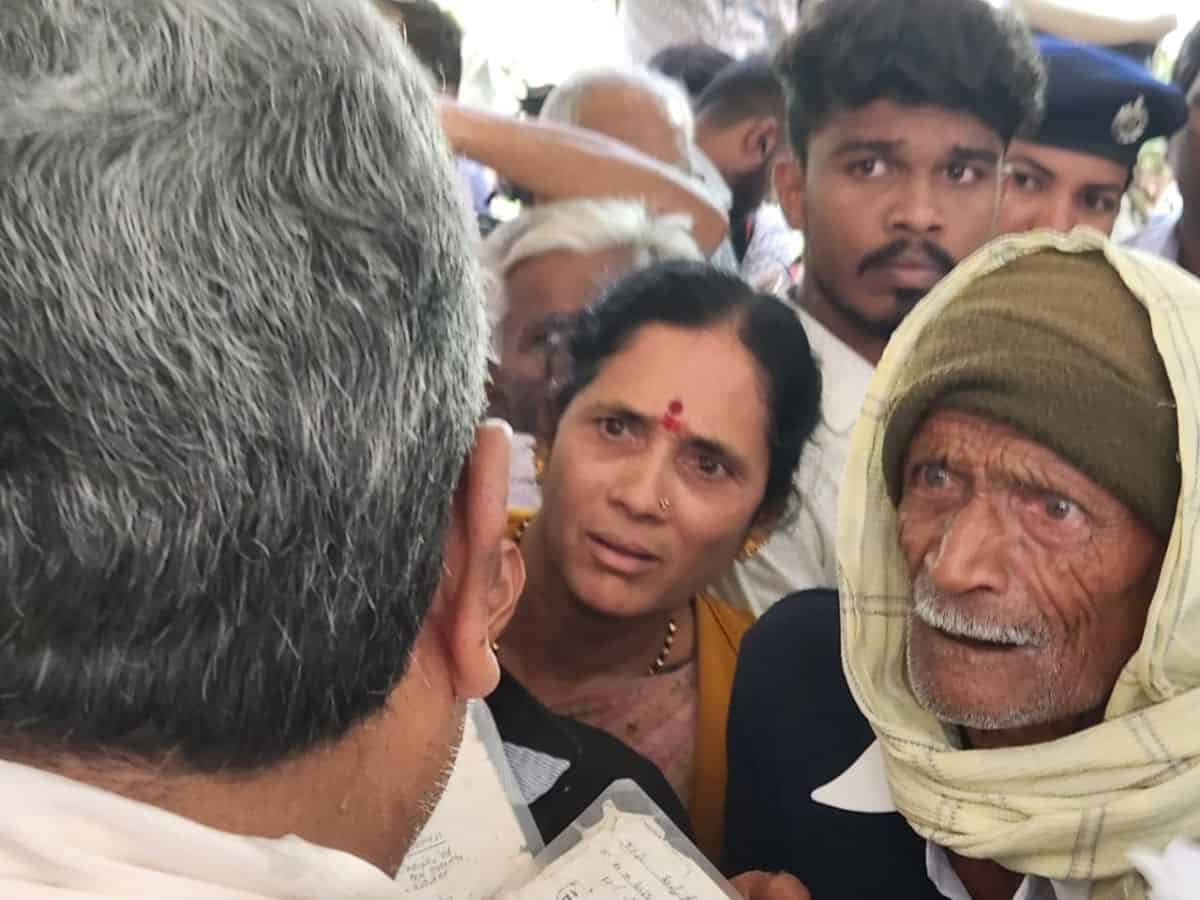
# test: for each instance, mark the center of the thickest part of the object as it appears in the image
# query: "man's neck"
(983, 878)
(554, 642)
(1028, 735)
(812, 300)
(357, 795)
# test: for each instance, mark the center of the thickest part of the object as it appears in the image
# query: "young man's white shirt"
(803, 554)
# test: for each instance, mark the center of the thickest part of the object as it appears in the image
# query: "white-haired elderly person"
(651, 112)
(565, 161)
(1012, 708)
(548, 264)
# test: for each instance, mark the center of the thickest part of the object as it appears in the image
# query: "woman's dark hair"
(696, 295)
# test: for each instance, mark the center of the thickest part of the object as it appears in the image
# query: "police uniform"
(1102, 103)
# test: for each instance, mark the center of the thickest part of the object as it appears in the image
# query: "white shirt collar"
(844, 376)
(61, 836)
(863, 788)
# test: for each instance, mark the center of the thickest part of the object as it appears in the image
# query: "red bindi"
(669, 420)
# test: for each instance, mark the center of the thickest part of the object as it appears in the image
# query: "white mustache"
(932, 607)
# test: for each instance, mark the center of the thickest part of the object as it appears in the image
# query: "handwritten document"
(473, 842)
(625, 856)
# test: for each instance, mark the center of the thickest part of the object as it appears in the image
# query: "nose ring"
(664, 504)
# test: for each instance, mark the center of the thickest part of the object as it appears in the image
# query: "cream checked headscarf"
(1073, 808)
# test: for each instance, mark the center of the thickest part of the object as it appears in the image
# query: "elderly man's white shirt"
(863, 788)
(62, 839)
(803, 555)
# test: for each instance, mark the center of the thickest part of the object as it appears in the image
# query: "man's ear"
(789, 179)
(475, 559)
(506, 591)
(760, 140)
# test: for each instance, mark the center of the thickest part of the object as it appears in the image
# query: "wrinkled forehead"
(949, 432)
(563, 282)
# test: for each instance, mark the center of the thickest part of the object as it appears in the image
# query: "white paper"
(625, 856)
(476, 840)
(1172, 875)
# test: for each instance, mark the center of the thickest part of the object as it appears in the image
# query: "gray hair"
(585, 226)
(563, 102)
(242, 356)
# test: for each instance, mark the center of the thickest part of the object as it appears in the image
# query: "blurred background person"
(1178, 236)
(436, 39)
(554, 161)
(741, 129)
(548, 264)
(693, 65)
(651, 113)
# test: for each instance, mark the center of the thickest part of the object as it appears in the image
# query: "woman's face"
(657, 470)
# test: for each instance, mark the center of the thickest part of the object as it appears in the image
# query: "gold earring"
(753, 543)
(539, 460)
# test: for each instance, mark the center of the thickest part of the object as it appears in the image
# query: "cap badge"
(1131, 121)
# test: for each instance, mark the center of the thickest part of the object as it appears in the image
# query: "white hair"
(562, 104)
(585, 226)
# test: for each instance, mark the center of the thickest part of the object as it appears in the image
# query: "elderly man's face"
(1030, 582)
(542, 292)
(890, 198)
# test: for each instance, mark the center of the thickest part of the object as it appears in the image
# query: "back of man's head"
(242, 359)
(434, 36)
(639, 106)
(692, 65)
(746, 88)
(961, 55)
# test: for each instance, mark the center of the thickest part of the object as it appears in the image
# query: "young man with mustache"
(899, 115)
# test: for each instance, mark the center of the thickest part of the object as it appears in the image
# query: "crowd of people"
(804, 449)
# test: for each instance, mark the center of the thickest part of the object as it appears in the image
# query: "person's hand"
(765, 886)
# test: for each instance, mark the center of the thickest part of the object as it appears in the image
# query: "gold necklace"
(666, 647)
(672, 627)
